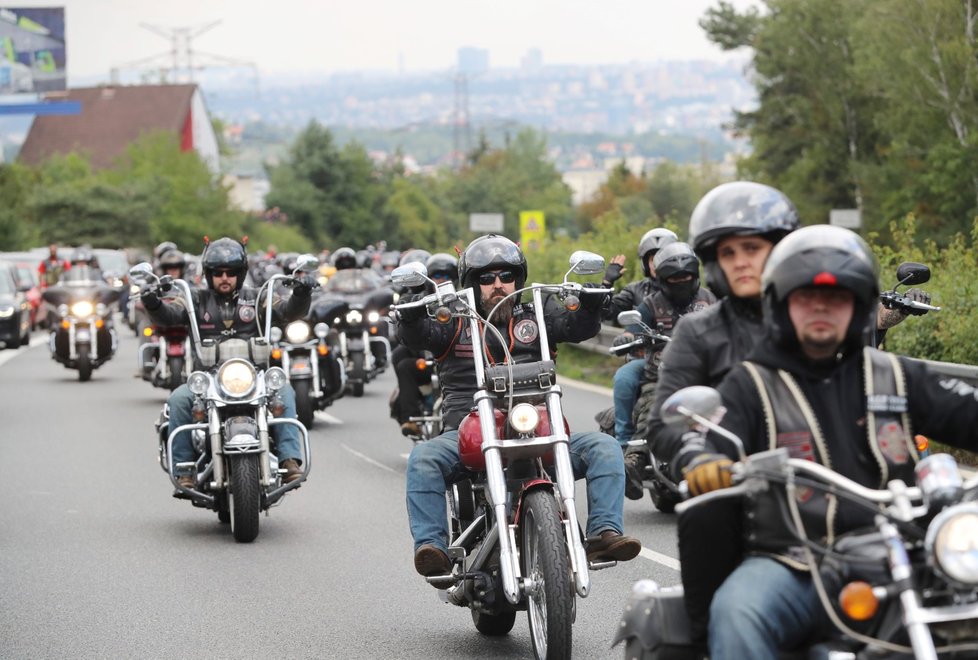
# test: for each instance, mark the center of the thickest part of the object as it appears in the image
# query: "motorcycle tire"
(358, 374)
(84, 364)
(176, 373)
(663, 501)
(244, 497)
(303, 402)
(494, 625)
(223, 512)
(550, 608)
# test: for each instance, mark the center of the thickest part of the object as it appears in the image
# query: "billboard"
(32, 50)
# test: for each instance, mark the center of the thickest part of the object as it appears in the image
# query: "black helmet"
(415, 256)
(165, 246)
(673, 260)
(652, 241)
(739, 208)
(491, 252)
(821, 255)
(344, 258)
(172, 259)
(225, 254)
(442, 262)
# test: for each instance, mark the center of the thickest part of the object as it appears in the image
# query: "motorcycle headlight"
(6, 312)
(275, 379)
(354, 317)
(63, 310)
(236, 378)
(101, 309)
(82, 308)
(373, 317)
(297, 332)
(952, 542)
(276, 335)
(133, 290)
(198, 382)
(524, 418)
(321, 330)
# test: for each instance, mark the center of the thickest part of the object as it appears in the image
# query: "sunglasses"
(225, 273)
(441, 276)
(504, 276)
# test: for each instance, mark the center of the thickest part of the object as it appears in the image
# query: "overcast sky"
(304, 36)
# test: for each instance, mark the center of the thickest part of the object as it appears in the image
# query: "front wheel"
(84, 363)
(358, 374)
(176, 372)
(244, 497)
(550, 594)
(303, 402)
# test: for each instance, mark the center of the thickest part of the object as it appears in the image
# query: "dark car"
(27, 280)
(15, 311)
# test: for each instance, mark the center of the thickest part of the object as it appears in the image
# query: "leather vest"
(791, 423)
(664, 314)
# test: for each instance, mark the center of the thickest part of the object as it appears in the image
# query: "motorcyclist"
(442, 267)
(173, 263)
(344, 258)
(51, 268)
(679, 293)
(627, 379)
(225, 309)
(813, 387)
(494, 266)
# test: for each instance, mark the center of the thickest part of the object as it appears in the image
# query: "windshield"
(354, 280)
(6, 281)
(81, 274)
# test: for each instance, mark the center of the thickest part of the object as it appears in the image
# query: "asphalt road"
(97, 560)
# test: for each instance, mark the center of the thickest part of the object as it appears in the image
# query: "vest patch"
(886, 403)
(526, 331)
(892, 442)
(246, 313)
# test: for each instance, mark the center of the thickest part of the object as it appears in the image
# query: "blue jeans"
(435, 464)
(763, 607)
(287, 437)
(627, 382)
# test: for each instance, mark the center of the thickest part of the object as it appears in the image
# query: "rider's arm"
(419, 332)
(168, 312)
(622, 301)
(943, 408)
(564, 325)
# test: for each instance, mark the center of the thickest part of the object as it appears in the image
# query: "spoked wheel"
(84, 362)
(244, 497)
(549, 593)
(303, 402)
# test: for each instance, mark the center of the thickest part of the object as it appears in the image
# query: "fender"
(300, 367)
(530, 486)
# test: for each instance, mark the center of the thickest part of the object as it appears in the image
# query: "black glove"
(150, 298)
(613, 273)
(304, 284)
(592, 300)
(708, 472)
(622, 339)
(409, 314)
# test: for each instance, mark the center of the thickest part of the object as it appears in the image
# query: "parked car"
(27, 280)
(15, 311)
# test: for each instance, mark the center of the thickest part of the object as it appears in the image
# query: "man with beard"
(495, 267)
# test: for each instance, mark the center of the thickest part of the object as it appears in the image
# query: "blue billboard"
(32, 50)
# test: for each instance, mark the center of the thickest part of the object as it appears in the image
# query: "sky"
(328, 36)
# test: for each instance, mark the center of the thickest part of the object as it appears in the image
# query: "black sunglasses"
(225, 273)
(505, 276)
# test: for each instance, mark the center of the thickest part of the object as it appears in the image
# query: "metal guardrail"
(967, 372)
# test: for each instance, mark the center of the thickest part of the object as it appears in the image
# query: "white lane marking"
(326, 417)
(660, 558)
(368, 459)
(581, 385)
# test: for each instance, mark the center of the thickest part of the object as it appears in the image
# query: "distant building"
(473, 60)
(113, 117)
(532, 60)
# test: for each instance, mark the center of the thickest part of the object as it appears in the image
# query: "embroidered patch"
(799, 445)
(246, 313)
(526, 331)
(892, 442)
(886, 403)
(207, 316)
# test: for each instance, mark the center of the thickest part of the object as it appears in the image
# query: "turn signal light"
(421, 364)
(99, 323)
(148, 331)
(373, 330)
(323, 350)
(65, 324)
(922, 443)
(572, 303)
(198, 411)
(443, 315)
(276, 353)
(858, 601)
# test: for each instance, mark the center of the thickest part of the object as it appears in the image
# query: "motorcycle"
(304, 352)
(82, 333)
(515, 540)
(430, 420)
(362, 328)
(162, 360)
(236, 403)
(907, 588)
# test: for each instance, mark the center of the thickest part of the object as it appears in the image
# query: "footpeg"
(599, 565)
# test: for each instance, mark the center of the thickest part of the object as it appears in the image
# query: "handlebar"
(903, 303)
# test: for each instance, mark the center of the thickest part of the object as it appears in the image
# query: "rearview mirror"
(306, 263)
(411, 275)
(631, 317)
(583, 262)
(141, 271)
(695, 400)
(910, 272)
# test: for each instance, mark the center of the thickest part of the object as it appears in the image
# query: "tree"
(18, 230)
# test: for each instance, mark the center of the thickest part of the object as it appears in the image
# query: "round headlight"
(524, 418)
(275, 379)
(297, 332)
(198, 382)
(236, 378)
(133, 290)
(354, 316)
(82, 308)
(952, 541)
(373, 317)
(276, 335)
(321, 330)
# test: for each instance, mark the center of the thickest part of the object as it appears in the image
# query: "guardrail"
(968, 372)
